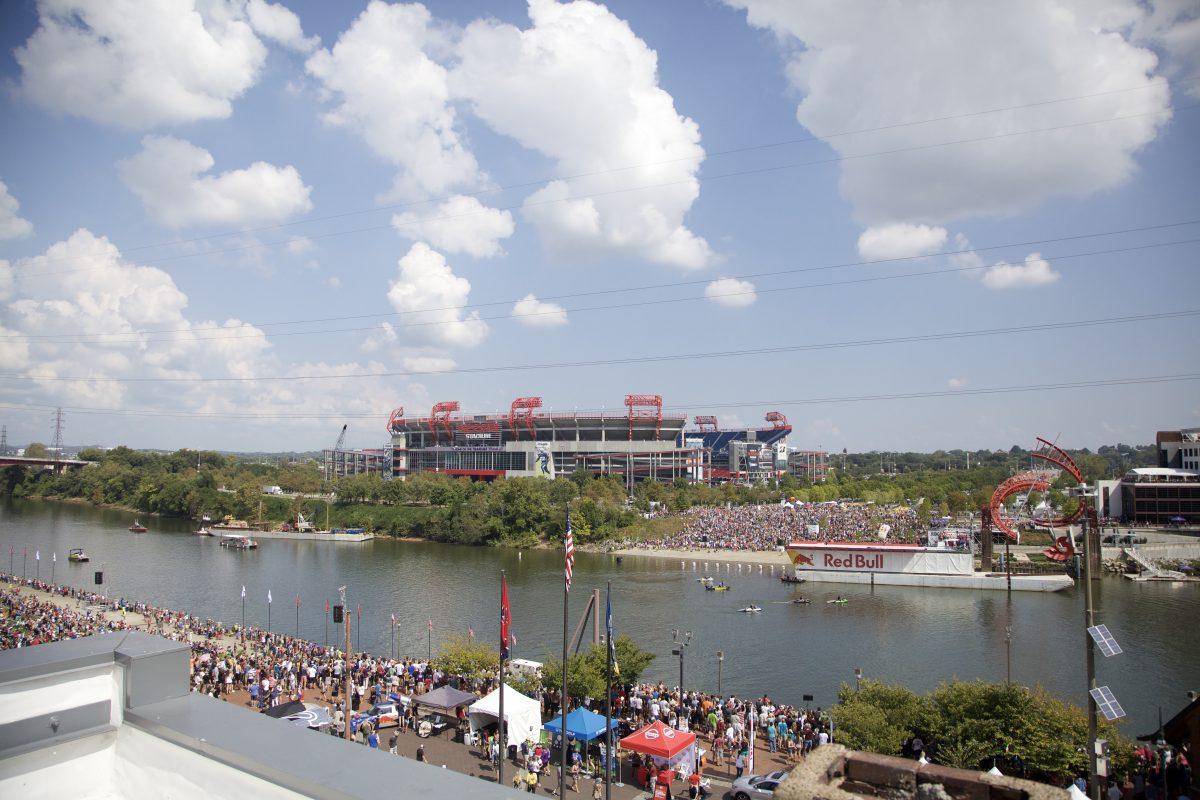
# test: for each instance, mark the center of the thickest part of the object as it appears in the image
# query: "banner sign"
(879, 558)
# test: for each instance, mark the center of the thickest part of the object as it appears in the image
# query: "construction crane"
(341, 438)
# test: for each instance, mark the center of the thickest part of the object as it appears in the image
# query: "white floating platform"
(365, 536)
(978, 580)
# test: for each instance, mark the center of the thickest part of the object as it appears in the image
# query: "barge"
(887, 564)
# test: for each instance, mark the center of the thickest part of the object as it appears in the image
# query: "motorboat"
(137, 527)
(238, 542)
(77, 555)
(750, 609)
(841, 601)
(801, 601)
(791, 579)
(202, 531)
(720, 587)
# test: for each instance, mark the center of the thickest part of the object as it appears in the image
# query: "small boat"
(238, 542)
(841, 601)
(77, 555)
(750, 609)
(801, 601)
(704, 580)
(708, 587)
(203, 531)
(791, 579)
(137, 527)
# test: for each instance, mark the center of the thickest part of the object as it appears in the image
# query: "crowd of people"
(262, 669)
(766, 527)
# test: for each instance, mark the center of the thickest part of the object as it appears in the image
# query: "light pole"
(1008, 653)
(346, 696)
(857, 678)
(681, 639)
(720, 663)
(1083, 492)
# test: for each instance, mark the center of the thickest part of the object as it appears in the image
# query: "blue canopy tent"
(582, 724)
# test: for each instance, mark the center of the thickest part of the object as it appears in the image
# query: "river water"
(916, 636)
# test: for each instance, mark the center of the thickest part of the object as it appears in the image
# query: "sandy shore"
(764, 557)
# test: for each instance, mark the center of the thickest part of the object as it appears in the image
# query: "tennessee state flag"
(505, 617)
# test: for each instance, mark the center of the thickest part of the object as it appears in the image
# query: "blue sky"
(163, 169)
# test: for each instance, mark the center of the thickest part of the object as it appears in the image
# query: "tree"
(461, 656)
(36, 450)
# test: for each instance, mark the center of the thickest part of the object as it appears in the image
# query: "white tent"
(523, 714)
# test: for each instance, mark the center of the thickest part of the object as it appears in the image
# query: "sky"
(240, 225)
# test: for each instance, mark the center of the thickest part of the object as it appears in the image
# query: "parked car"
(381, 715)
(754, 787)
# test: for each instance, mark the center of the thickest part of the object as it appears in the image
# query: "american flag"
(569, 546)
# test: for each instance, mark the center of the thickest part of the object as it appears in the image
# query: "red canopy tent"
(659, 740)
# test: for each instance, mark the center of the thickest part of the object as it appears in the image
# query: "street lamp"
(682, 639)
(720, 663)
(857, 678)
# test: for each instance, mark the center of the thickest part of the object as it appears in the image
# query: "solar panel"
(1106, 703)
(1105, 641)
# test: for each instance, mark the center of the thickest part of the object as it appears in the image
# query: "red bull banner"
(878, 557)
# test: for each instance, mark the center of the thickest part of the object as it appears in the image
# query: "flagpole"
(53, 564)
(326, 622)
(562, 771)
(608, 652)
(268, 612)
(503, 647)
(297, 616)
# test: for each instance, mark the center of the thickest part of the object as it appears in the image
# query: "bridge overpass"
(56, 464)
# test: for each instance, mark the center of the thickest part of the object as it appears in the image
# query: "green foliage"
(461, 656)
(36, 450)
(586, 670)
(970, 724)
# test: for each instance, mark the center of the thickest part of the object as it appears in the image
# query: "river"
(916, 636)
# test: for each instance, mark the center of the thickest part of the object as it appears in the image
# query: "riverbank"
(774, 558)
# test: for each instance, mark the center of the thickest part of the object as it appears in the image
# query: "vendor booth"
(665, 746)
(582, 725)
(523, 715)
(445, 700)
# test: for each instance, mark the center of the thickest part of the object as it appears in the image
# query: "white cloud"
(856, 70)
(138, 64)
(538, 314)
(7, 281)
(1035, 271)
(333, 282)
(427, 363)
(108, 295)
(280, 24)
(388, 90)
(900, 240)
(731, 292)
(12, 226)
(581, 88)
(965, 258)
(460, 225)
(299, 245)
(431, 296)
(957, 383)
(167, 176)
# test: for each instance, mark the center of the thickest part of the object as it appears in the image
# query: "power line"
(716, 153)
(610, 192)
(135, 336)
(1029, 328)
(1040, 387)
